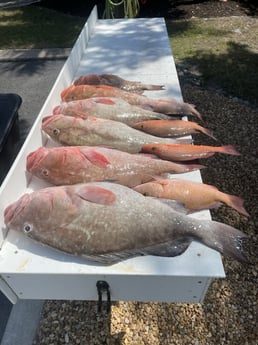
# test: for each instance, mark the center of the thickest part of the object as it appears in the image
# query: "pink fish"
(92, 131)
(76, 164)
(164, 106)
(194, 195)
(114, 80)
(107, 223)
(181, 152)
(107, 108)
(171, 128)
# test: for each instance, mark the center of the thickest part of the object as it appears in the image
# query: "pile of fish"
(112, 196)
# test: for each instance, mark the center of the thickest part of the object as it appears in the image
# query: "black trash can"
(9, 106)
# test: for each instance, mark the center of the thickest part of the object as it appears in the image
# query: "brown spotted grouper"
(107, 222)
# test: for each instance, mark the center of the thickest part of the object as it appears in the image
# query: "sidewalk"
(22, 323)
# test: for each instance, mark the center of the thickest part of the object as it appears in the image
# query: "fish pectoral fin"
(96, 195)
(105, 100)
(95, 158)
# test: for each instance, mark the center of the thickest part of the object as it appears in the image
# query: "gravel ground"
(229, 312)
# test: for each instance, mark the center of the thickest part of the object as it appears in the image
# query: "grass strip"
(36, 27)
(224, 51)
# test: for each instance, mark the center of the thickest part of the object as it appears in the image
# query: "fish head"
(49, 164)
(61, 127)
(39, 214)
(57, 216)
(76, 92)
(78, 108)
(67, 94)
(54, 123)
(26, 213)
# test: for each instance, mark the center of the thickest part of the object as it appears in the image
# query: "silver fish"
(108, 108)
(69, 130)
(107, 223)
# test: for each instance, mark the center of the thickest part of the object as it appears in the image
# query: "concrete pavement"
(31, 74)
(32, 54)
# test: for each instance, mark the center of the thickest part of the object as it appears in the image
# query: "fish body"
(182, 152)
(107, 108)
(77, 164)
(69, 130)
(162, 105)
(171, 128)
(107, 223)
(194, 195)
(114, 80)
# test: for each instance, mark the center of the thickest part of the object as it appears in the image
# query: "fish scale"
(93, 131)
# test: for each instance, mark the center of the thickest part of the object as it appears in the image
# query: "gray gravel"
(229, 312)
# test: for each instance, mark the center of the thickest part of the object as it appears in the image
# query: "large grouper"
(106, 222)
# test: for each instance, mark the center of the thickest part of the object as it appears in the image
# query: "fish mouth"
(56, 109)
(34, 158)
(48, 119)
(13, 210)
(66, 91)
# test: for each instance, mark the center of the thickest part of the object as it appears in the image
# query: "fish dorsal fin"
(95, 194)
(96, 158)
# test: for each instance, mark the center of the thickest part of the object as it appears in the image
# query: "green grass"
(224, 51)
(36, 27)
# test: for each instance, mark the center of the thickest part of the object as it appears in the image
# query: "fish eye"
(27, 228)
(45, 172)
(56, 131)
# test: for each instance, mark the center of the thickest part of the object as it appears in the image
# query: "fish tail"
(225, 239)
(237, 203)
(229, 149)
(189, 109)
(154, 87)
(207, 132)
(173, 107)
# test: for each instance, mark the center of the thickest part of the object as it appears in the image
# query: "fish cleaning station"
(134, 49)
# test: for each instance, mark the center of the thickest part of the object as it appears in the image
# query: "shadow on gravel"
(236, 71)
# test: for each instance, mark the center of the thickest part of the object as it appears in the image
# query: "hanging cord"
(131, 8)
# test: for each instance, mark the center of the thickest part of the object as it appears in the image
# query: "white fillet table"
(135, 49)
